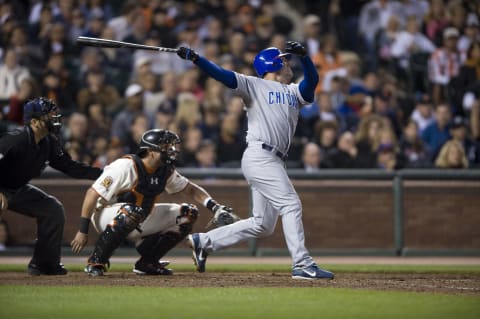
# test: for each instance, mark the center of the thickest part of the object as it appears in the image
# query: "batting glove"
(187, 54)
(296, 48)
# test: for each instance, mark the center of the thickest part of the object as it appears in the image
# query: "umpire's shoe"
(95, 270)
(199, 255)
(311, 272)
(46, 269)
(152, 269)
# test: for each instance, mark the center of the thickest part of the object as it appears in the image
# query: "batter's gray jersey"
(273, 113)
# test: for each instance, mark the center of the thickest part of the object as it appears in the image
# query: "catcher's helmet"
(269, 60)
(43, 109)
(163, 141)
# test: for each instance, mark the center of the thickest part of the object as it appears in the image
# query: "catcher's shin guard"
(127, 219)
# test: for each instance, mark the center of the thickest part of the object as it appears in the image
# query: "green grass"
(414, 269)
(26, 301)
(157, 302)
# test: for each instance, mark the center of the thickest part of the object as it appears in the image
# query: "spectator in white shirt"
(409, 42)
(444, 65)
(11, 75)
(423, 114)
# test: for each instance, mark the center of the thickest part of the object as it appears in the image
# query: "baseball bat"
(105, 43)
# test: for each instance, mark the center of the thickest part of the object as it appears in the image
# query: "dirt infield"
(429, 283)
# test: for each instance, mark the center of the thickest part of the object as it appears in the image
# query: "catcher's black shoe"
(95, 270)
(152, 269)
(46, 269)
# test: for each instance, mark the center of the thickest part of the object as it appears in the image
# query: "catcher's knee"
(187, 216)
(128, 218)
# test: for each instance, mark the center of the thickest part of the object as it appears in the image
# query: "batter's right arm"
(227, 77)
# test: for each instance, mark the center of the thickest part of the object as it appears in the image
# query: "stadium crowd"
(399, 80)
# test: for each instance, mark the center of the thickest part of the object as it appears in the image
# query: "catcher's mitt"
(223, 215)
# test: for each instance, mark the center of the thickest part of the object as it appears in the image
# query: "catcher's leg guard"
(127, 219)
(157, 245)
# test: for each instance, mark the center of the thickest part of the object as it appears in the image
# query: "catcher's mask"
(43, 109)
(163, 141)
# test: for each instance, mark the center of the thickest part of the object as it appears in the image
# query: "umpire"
(24, 154)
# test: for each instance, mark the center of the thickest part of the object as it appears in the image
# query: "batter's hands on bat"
(223, 215)
(296, 48)
(79, 242)
(187, 54)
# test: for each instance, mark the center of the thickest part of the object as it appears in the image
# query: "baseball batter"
(272, 119)
(121, 204)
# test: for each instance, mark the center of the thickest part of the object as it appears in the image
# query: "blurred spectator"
(28, 90)
(124, 119)
(123, 23)
(162, 24)
(458, 129)
(469, 75)
(140, 124)
(76, 137)
(231, 143)
(99, 123)
(4, 235)
(28, 53)
(312, 33)
(91, 60)
(325, 135)
(56, 41)
(164, 115)
(191, 141)
(444, 65)
(113, 152)
(436, 21)
(373, 18)
(437, 133)
(412, 147)
(311, 157)
(327, 58)
(97, 90)
(188, 112)
(386, 157)
(206, 154)
(452, 155)
(410, 42)
(367, 140)
(471, 34)
(78, 25)
(385, 39)
(264, 30)
(40, 28)
(345, 154)
(95, 24)
(423, 114)
(160, 62)
(11, 75)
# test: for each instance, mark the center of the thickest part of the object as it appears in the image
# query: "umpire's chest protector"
(148, 185)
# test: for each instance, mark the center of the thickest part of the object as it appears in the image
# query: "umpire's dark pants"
(32, 201)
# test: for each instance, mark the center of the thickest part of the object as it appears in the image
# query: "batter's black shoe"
(47, 269)
(95, 270)
(152, 269)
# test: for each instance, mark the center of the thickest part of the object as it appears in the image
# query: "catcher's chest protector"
(148, 186)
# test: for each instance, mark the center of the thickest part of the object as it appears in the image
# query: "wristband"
(210, 203)
(84, 224)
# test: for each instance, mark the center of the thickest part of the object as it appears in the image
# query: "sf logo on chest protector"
(154, 180)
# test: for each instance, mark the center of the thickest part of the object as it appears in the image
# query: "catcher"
(121, 204)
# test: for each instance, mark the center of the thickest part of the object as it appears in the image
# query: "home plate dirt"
(429, 283)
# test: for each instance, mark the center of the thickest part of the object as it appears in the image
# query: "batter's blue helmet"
(269, 60)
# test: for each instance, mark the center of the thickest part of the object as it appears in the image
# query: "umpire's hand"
(79, 242)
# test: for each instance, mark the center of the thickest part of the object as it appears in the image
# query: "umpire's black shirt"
(21, 159)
